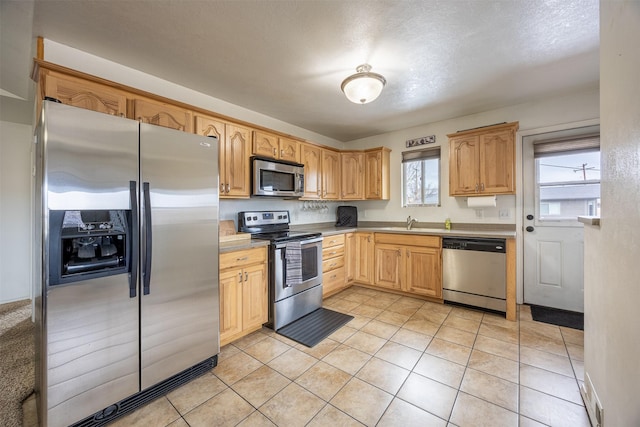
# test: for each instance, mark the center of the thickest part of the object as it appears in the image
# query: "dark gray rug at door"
(555, 316)
(315, 326)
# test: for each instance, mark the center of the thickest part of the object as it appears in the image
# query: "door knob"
(529, 217)
(529, 229)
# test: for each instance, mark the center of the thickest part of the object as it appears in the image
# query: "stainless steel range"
(295, 265)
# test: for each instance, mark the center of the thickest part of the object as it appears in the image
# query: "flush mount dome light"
(364, 86)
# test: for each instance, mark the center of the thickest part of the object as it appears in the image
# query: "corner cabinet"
(482, 161)
(243, 293)
(377, 185)
(233, 155)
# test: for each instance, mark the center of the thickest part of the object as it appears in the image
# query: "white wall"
(531, 115)
(612, 252)
(15, 211)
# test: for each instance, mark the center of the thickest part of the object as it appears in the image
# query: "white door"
(561, 180)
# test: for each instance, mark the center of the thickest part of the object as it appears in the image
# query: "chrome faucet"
(410, 222)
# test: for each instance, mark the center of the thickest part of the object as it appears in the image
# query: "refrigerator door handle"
(135, 247)
(146, 273)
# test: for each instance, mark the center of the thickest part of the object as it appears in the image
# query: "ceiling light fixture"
(364, 86)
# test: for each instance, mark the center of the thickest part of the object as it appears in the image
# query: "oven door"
(311, 257)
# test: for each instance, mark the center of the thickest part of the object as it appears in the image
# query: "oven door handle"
(281, 245)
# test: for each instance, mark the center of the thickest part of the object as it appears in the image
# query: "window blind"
(423, 154)
(577, 144)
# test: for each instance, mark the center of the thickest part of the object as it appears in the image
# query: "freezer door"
(92, 348)
(179, 257)
(89, 160)
(89, 329)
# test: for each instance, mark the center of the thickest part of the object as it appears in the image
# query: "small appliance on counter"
(347, 216)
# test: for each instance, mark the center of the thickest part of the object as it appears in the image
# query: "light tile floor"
(400, 362)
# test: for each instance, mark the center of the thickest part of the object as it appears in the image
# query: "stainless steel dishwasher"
(474, 272)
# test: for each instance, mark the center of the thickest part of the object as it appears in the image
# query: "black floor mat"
(315, 326)
(555, 316)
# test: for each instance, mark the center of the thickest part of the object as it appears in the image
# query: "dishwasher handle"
(475, 244)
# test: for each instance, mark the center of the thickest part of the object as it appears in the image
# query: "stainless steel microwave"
(276, 178)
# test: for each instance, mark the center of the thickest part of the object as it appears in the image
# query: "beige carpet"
(16, 360)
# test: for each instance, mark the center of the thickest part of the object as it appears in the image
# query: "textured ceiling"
(286, 59)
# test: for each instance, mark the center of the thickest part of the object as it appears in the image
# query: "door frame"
(520, 193)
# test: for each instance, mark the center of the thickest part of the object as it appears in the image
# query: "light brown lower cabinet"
(409, 263)
(333, 264)
(243, 293)
(364, 258)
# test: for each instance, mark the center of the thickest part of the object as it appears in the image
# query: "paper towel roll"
(481, 202)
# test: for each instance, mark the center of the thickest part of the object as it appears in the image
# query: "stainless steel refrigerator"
(126, 302)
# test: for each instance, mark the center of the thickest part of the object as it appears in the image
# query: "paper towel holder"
(481, 201)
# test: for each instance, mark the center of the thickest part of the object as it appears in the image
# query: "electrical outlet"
(504, 214)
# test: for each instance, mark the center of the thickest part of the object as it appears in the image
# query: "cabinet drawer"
(332, 264)
(333, 280)
(408, 239)
(332, 252)
(335, 240)
(242, 258)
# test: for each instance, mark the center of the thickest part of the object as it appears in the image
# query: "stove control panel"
(259, 218)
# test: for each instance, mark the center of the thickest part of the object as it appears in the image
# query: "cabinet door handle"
(244, 258)
(227, 188)
(274, 152)
(240, 276)
(246, 276)
(281, 153)
(476, 188)
(482, 187)
(222, 187)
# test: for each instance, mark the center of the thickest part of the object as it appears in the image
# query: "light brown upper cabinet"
(352, 172)
(377, 185)
(330, 174)
(83, 93)
(269, 145)
(162, 114)
(321, 172)
(311, 158)
(233, 155)
(482, 161)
